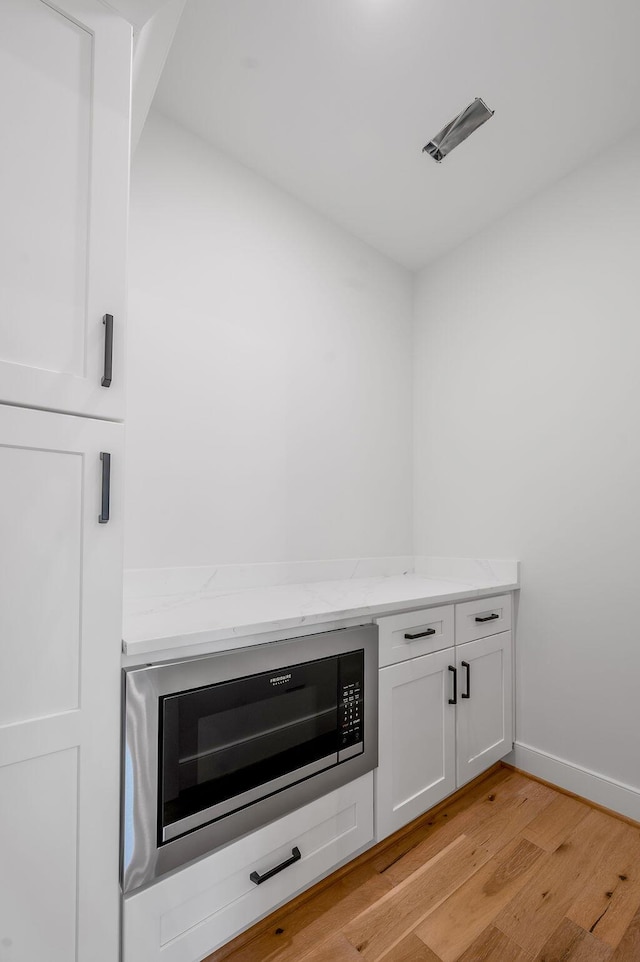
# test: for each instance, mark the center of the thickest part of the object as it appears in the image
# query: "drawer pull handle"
(488, 618)
(454, 700)
(295, 857)
(467, 694)
(107, 320)
(421, 634)
(105, 499)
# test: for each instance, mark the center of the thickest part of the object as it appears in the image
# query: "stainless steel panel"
(144, 858)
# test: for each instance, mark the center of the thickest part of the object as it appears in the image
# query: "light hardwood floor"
(510, 870)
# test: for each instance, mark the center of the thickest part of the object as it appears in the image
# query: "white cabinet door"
(485, 704)
(64, 102)
(416, 739)
(60, 630)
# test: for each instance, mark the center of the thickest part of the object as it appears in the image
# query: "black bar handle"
(105, 457)
(454, 700)
(488, 618)
(421, 634)
(107, 320)
(295, 857)
(467, 694)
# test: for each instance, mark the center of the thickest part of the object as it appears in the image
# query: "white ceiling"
(333, 100)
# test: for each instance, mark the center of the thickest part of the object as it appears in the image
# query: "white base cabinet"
(187, 915)
(417, 732)
(444, 717)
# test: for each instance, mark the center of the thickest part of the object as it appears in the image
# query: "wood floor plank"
(609, 899)
(411, 949)
(629, 948)
(492, 945)
(536, 912)
(379, 928)
(493, 820)
(462, 918)
(511, 820)
(549, 829)
(334, 949)
(570, 943)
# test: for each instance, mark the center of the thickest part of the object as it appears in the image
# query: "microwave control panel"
(351, 705)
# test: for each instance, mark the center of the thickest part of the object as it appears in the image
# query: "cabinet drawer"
(415, 633)
(187, 915)
(482, 617)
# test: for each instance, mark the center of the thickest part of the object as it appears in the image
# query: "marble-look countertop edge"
(201, 638)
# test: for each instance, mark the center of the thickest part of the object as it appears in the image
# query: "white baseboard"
(590, 785)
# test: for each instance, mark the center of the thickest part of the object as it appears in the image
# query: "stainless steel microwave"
(215, 747)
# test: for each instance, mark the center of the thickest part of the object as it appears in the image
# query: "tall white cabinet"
(64, 102)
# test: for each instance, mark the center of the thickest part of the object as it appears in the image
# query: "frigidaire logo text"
(280, 679)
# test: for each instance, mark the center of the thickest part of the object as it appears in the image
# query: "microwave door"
(228, 745)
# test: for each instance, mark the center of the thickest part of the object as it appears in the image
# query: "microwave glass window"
(222, 741)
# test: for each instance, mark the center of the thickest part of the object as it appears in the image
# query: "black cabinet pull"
(107, 320)
(454, 700)
(295, 857)
(467, 694)
(105, 457)
(488, 618)
(421, 634)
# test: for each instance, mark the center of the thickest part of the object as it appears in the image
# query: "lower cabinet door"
(60, 682)
(485, 704)
(416, 767)
(187, 915)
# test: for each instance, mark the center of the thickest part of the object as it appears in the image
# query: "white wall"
(269, 372)
(527, 445)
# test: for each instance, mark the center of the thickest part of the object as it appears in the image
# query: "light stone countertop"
(210, 609)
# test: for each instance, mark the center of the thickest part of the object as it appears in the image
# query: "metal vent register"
(458, 129)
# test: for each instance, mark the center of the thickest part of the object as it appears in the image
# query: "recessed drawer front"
(482, 617)
(415, 633)
(185, 916)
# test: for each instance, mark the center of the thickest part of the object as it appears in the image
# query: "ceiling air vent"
(458, 129)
